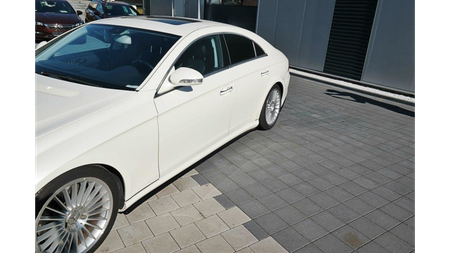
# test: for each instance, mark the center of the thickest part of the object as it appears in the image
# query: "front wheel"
(76, 211)
(271, 109)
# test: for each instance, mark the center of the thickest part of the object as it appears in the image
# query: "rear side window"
(240, 48)
(259, 51)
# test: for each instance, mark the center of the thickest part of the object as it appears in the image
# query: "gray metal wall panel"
(288, 29)
(161, 7)
(191, 8)
(315, 33)
(178, 8)
(390, 56)
(267, 14)
(299, 28)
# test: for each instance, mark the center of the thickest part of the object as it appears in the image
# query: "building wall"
(301, 29)
(181, 8)
(390, 56)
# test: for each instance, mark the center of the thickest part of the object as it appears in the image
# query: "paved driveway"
(336, 174)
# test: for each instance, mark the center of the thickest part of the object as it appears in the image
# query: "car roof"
(166, 24)
(115, 3)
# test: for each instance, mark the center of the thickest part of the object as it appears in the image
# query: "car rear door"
(250, 67)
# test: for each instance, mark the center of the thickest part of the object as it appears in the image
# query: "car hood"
(56, 18)
(59, 103)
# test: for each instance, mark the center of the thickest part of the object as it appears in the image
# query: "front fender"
(123, 136)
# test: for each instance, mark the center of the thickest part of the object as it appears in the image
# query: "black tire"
(263, 121)
(80, 214)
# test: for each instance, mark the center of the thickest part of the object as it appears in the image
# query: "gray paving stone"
(307, 207)
(239, 196)
(290, 215)
(330, 243)
(272, 202)
(224, 201)
(254, 209)
(200, 179)
(393, 244)
(256, 230)
(271, 223)
(309, 229)
(290, 239)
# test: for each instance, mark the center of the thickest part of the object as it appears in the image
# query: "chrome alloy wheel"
(74, 218)
(273, 105)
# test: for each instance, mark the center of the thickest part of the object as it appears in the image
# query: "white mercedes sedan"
(124, 105)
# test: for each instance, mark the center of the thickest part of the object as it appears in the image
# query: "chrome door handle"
(265, 73)
(227, 90)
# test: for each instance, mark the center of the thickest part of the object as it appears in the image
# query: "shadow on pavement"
(363, 100)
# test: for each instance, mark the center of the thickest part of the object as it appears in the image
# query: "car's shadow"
(365, 100)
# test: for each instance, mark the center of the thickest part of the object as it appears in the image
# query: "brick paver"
(336, 174)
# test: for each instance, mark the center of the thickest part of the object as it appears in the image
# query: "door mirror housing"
(182, 77)
(79, 12)
(42, 43)
(186, 77)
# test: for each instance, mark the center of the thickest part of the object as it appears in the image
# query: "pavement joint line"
(334, 185)
(346, 200)
(363, 215)
(371, 240)
(342, 202)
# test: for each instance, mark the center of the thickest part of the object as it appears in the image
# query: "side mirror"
(42, 43)
(182, 77)
(79, 12)
(186, 77)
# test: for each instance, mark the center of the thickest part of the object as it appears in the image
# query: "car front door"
(193, 119)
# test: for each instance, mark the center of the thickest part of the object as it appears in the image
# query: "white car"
(124, 105)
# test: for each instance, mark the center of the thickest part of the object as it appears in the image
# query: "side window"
(100, 8)
(240, 48)
(259, 51)
(205, 56)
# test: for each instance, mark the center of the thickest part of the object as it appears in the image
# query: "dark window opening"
(240, 48)
(259, 51)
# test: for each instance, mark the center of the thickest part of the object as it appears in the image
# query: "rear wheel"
(76, 211)
(271, 109)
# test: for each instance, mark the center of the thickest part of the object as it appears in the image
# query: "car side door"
(193, 119)
(250, 67)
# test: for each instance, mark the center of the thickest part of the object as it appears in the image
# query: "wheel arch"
(113, 171)
(119, 179)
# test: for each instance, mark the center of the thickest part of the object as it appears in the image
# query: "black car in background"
(99, 9)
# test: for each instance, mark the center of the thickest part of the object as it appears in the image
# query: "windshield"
(119, 10)
(107, 56)
(54, 6)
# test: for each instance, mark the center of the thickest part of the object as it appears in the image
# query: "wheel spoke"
(49, 241)
(67, 199)
(99, 204)
(58, 201)
(83, 241)
(63, 244)
(88, 233)
(98, 211)
(95, 200)
(48, 226)
(87, 193)
(52, 218)
(74, 194)
(92, 195)
(81, 193)
(56, 211)
(94, 226)
(48, 234)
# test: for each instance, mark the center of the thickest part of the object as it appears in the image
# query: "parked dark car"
(54, 17)
(98, 9)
